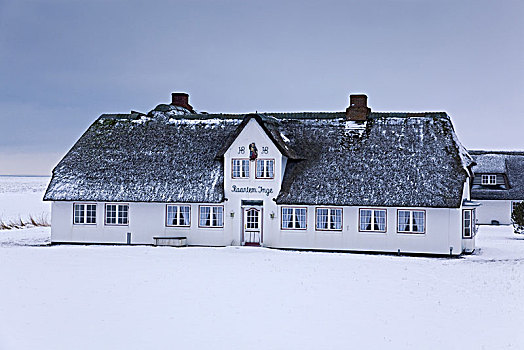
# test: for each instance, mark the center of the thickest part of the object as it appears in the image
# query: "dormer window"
(489, 179)
(240, 168)
(265, 168)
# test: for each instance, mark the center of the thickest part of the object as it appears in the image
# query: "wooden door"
(252, 232)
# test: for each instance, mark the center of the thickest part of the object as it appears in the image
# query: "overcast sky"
(65, 62)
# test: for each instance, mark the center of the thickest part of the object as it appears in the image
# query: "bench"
(171, 241)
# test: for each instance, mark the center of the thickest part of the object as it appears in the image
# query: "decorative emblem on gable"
(253, 152)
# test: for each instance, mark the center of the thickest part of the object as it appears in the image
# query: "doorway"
(252, 226)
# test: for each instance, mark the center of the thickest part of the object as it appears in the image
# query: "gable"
(271, 129)
(252, 133)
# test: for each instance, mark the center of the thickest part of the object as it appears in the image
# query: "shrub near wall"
(517, 218)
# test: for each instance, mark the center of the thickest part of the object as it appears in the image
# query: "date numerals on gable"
(242, 150)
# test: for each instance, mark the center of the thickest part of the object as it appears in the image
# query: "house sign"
(248, 189)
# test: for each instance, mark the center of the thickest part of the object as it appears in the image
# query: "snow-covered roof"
(509, 163)
(400, 159)
(393, 159)
(490, 163)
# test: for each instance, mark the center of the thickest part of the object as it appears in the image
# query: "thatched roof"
(395, 159)
(509, 163)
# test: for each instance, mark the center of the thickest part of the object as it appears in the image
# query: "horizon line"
(24, 175)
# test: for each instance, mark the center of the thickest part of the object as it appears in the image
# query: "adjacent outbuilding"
(354, 180)
(498, 185)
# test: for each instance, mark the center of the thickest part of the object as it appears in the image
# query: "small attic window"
(489, 179)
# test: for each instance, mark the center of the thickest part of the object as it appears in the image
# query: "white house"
(498, 185)
(344, 181)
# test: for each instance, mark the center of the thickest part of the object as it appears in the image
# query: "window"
(84, 214)
(329, 219)
(489, 179)
(252, 219)
(211, 216)
(411, 221)
(468, 223)
(178, 215)
(372, 220)
(265, 168)
(117, 214)
(294, 218)
(240, 168)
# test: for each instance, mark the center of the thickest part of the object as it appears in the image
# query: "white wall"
(499, 210)
(146, 220)
(252, 132)
(443, 230)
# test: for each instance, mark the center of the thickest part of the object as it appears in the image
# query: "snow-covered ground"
(121, 297)
(21, 197)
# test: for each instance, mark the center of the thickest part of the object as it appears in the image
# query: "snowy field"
(119, 297)
(21, 197)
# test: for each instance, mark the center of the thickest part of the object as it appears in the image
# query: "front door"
(252, 226)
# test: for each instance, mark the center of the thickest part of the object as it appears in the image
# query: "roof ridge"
(481, 152)
(411, 113)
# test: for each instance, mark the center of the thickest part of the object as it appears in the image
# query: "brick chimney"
(181, 99)
(358, 108)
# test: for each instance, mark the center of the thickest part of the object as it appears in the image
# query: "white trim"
(293, 218)
(243, 168)
(265, 168)
(220, 223)
(372, 223)
(178, 215)
(489, 179)
(411, 221)
(117, 211)
(470, 225)
(328, 218)
(85, 216)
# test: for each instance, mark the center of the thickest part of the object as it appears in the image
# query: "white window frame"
(411, 222)
(178, 215)
(264, 164)
(372, 223)
(468, 223)
(489, 179)
(212, 211)
(329, 222)
(243, 168)
(293, 218)
(118, 209)
(85, 211)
